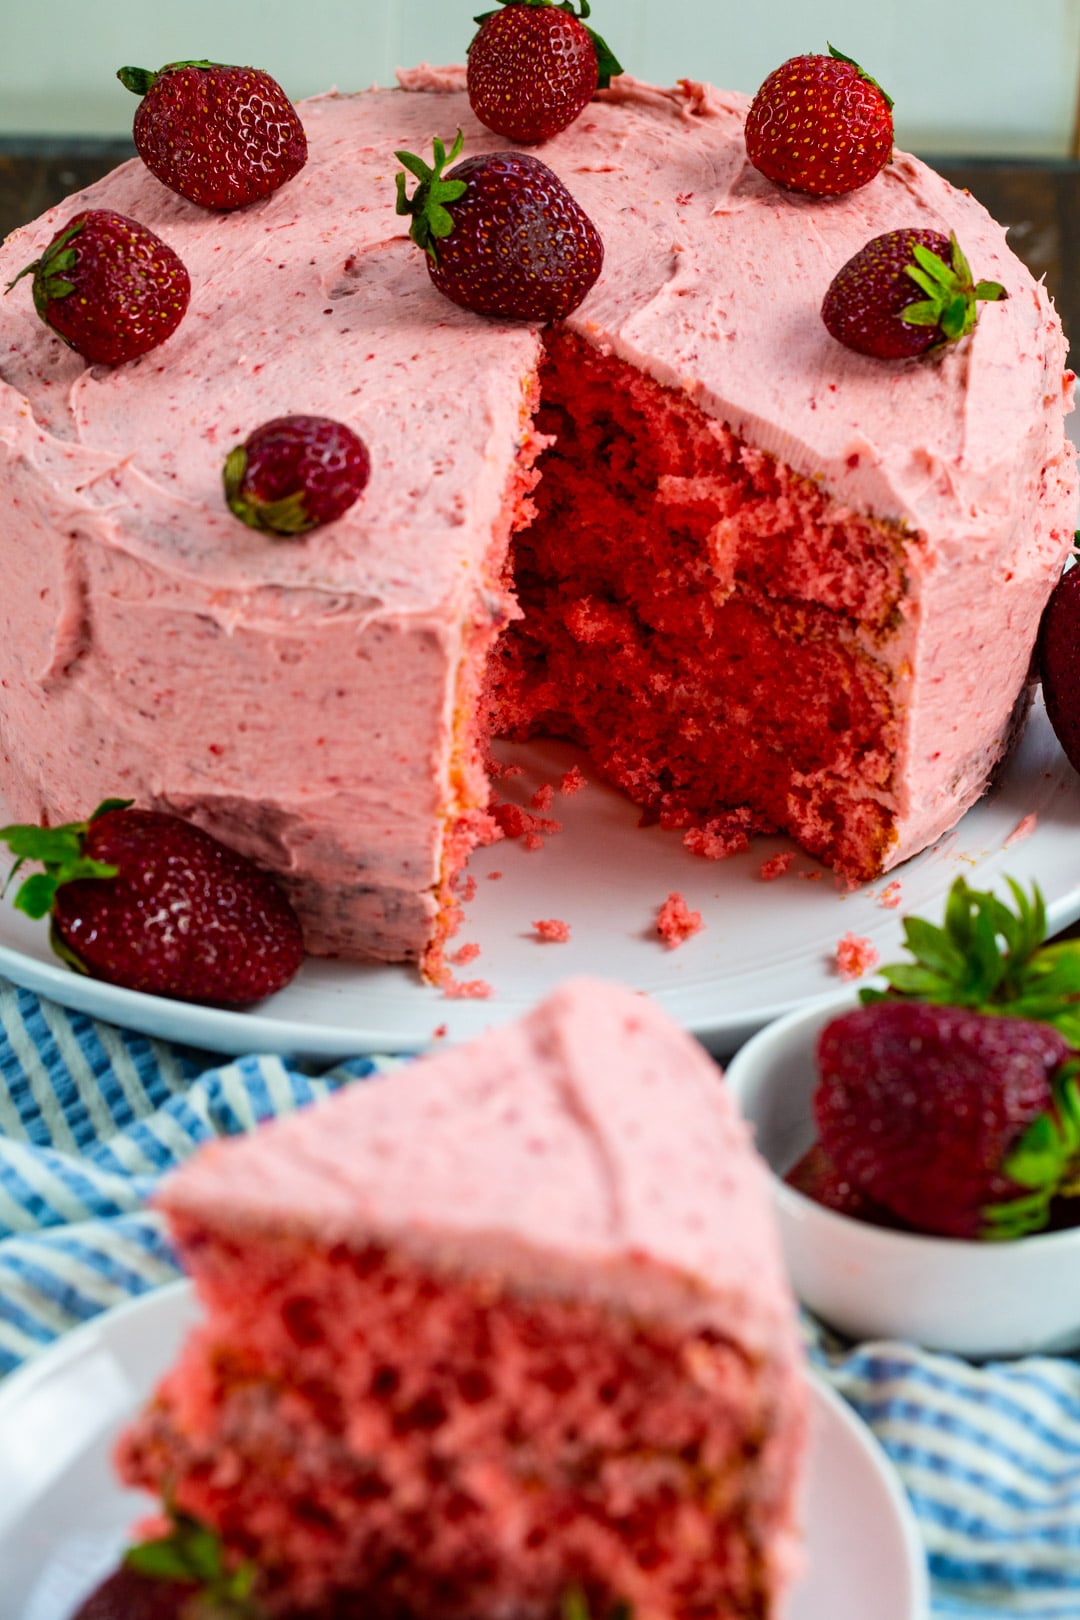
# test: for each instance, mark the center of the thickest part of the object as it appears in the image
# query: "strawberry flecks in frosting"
(552, 930)
(855, 956)
(676, 923)
(573, 781)
(776, 866)
(891, 896)
(1023, 829)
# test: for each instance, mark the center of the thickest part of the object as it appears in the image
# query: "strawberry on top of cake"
(508, 1324)
(742, 565)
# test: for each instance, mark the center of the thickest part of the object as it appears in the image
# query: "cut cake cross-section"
(510, 1325)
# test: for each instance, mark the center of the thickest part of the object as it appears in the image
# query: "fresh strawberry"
(183, 1574)
(873, 304)
(502, 234)
(153, 903)
(820, 124)
(222, 136)
(534, 67)
(953, 1099)
(1059, 662)
(296, 472)
(109, 287)
(816, 1177)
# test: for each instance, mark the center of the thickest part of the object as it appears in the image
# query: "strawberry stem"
(952, 296)
(1045, 1160)
(140, 80)
(838, 56)
(991, 958)
(61, 851)
(431, 220)
(191, 1552)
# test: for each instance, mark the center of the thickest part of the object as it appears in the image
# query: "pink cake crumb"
(553, 930)
(725, 835)
(467, 953)
(493, 877)
(855, 956)
(676, 923)
(465, 887)
(543, 798)
(890, 896)
(465, 989)
(573, 781)
(1023, 829)
(811, 877)
(518, 823)
(777, 866)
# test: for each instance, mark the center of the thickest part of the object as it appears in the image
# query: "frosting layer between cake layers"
(304, 699)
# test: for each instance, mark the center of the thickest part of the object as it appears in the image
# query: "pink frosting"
(300, 697)
(590, 1147)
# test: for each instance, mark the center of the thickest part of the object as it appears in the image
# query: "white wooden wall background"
(992, 76)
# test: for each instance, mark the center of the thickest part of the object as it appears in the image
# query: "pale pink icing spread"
(301, 696)
(589, 1148)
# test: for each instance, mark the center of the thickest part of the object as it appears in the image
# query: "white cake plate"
(64, 1519)
(765, 947)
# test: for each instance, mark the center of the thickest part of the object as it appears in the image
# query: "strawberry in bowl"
(925, 1137)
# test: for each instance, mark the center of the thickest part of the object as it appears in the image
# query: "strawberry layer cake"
(511, 1325)
(743, 566)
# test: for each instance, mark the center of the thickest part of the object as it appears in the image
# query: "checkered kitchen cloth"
(91, 1116)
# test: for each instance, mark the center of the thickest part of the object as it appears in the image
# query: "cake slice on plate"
(508, 1327)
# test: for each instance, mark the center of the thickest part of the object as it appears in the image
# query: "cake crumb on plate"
(552, 930)
(676, 923)
(855, 956)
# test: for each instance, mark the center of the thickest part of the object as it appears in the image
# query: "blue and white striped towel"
(91, 1116)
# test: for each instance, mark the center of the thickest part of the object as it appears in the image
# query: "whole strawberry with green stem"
(220, 135)
(183, 1574)
(952, 1099)
(534, 67)
(145, 900)
(904, 293)
(109, 287)
(294, 473)
(821, 125)
(502, 234)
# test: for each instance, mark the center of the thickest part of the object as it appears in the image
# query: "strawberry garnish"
(296, 472)
(819, 124)
(905, 292)
(183, 1574)
(222, 136)
(952, 1099)
(150, 902)
(1059, 662)
(534, 67)
(109, 287)
(502, 234)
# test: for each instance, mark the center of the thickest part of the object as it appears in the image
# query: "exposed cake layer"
(511, 1321)
(711, 627)
(305, 699)
(355, 1425)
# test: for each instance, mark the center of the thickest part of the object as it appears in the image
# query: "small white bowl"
(973, 1299)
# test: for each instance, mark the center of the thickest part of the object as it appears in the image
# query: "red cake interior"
(350, 1420)
(700, 618)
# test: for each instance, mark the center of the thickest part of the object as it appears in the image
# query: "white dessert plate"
(765, 948)
(64, 1519)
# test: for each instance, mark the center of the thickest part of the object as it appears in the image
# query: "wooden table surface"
(1040, 202)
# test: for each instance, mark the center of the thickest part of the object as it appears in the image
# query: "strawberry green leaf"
(1045, 1160)
(193, 1553)
(60, 851)
(431, 221)
(838, 56)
